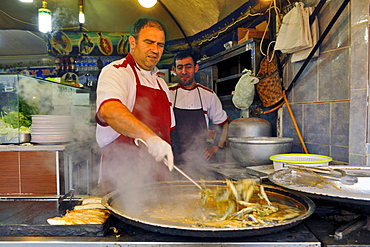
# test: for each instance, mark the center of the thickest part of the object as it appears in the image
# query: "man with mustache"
(133, 102)
(194, 106)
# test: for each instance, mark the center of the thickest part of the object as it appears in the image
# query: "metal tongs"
(328, 173)
(165, 161)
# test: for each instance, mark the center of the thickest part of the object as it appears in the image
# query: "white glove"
(160, 150)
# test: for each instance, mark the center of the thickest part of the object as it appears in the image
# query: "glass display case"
(24, 96)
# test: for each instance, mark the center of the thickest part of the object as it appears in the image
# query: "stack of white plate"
(51, 129)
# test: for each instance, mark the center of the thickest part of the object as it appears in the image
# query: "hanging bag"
(295, 33)
(244, 90)
(269, 87)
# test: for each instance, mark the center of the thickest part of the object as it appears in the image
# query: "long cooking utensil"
(165, 161)
(328, 172)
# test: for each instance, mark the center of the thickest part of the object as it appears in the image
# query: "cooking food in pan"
(242, 204)
(180, 208)
(239, 204)
(91, 211)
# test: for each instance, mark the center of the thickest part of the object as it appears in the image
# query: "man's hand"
(210, 152)
(160, 150)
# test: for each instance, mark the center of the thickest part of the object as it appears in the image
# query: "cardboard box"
(249, 33)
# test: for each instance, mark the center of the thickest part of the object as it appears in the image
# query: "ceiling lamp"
(81, 14)
(147, 3)
(44, 18)
(26, 1)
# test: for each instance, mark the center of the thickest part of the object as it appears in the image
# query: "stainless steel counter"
(37, 147)
(135, 237)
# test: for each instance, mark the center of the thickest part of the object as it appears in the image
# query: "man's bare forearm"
(116, 115)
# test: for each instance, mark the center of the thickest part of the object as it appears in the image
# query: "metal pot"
(251, 151)
(164, 208)
(245, 127)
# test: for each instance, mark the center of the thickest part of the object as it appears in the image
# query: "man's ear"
(196, 67)
(173, 69)
(132, 42)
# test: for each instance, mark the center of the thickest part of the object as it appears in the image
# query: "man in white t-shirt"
(194, 105)
(133, 102)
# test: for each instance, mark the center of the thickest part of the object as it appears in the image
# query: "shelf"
(226, 54)
(223, 70)
(225, 97)
(229, 77)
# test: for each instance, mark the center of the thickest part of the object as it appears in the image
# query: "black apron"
(190, 135)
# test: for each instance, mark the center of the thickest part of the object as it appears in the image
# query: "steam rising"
(57, 99)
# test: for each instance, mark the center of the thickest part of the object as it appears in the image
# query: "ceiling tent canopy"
(117, 15)
(193, 19)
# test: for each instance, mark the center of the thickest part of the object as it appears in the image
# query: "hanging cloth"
(295, 32)
(302, 55)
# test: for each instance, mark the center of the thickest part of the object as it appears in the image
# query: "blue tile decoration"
(338, 36)
(304, 90)
(317, 123)
(333, 79)
(288, 127)
(358, 122)
(359, 54)
(318, 149)
(340, 153)
(358, 160)
(340, 124)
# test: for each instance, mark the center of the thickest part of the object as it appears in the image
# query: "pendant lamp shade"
(147, 3)
(44, 18)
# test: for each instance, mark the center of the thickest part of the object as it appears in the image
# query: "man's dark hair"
(184, 54)
(147, 22)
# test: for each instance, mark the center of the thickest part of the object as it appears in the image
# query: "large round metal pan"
(356, 196)
(163, 207)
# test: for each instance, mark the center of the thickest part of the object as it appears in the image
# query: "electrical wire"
(230, 25)
(72, 28)
(273, 5)
(13, 18)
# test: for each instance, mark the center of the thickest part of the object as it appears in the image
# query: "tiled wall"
(322, 98)
(358, 141)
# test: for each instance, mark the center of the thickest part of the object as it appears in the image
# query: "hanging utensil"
(165, 161)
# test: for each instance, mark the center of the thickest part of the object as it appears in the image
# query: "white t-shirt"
(189, 99)
(120, 83)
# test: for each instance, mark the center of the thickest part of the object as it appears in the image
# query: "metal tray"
(354, 197)
(28, 218)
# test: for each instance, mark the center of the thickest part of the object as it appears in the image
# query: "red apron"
(124, 164)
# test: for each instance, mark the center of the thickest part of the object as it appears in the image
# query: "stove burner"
(353, 225)
(354, 221)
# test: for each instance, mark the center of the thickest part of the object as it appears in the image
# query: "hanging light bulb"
(44, 18)
(81, 14)
(147, 3)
